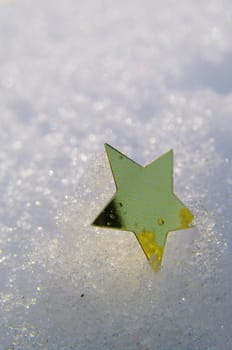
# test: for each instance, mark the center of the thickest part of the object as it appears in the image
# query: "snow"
(145, 77)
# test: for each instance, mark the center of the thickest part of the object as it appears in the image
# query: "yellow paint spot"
(186, 217)
(150, 247)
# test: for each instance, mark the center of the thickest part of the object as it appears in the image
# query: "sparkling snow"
(144, 76)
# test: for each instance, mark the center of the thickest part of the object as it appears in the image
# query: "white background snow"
(144, 76)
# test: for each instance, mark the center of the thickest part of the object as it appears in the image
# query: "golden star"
(144, 203)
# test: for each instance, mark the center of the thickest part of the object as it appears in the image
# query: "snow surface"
(144, 76)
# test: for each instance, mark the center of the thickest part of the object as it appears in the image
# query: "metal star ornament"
(144, 203)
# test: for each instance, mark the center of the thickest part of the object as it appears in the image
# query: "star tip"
(93, 223)
(107, 146)
(169, 154)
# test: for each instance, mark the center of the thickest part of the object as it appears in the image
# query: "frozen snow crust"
(144, 76)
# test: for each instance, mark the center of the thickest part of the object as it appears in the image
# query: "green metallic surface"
(144, 203)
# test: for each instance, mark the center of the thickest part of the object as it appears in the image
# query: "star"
(144, 203)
